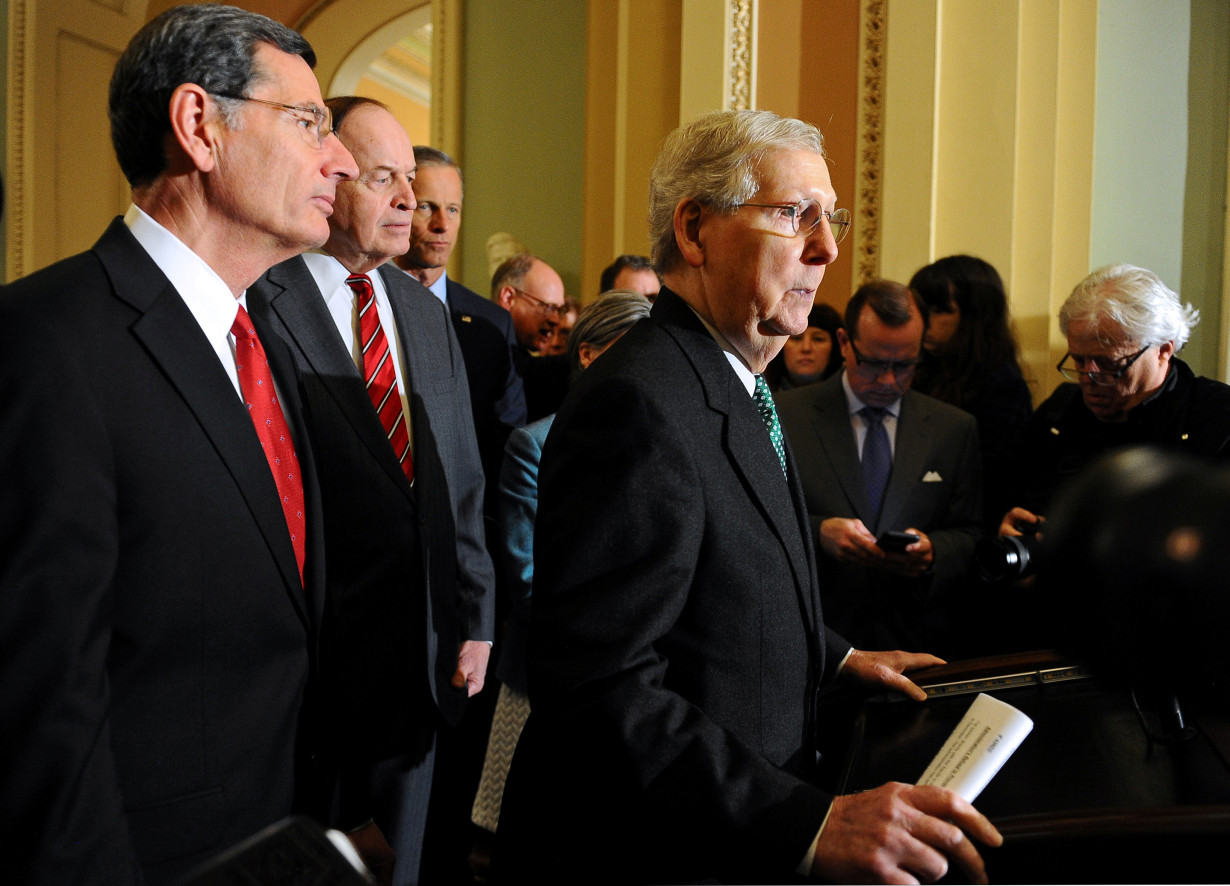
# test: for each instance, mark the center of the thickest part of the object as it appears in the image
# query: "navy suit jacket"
(409, 576)
(487, 338)
(676, 641)
(935, 486)
(157, 641)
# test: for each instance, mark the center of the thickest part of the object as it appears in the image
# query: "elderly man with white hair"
(1125, 386)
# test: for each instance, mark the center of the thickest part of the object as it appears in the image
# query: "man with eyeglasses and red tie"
(530, 289)
(409, 595)
(162, 577)
(1124, 386)
(875, 458)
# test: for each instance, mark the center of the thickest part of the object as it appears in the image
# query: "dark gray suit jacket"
(935, 485)
(409, 576)
(157, 641)
(676, 642)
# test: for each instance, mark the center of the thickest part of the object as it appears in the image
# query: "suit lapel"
(831, 420)
(173, 339)
(297, 302)
(747, 443)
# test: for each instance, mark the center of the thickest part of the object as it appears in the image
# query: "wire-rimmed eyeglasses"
(541, 306)
(1100, 376)
(805, 217)
(314, 130)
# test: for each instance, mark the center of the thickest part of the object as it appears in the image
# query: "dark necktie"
(877, 457)
(379, 374)
(768, 414)
(256, 383)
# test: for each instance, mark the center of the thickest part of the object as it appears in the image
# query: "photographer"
(1125, 387)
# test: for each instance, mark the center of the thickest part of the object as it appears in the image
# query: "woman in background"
(809, 357)
(971, 361)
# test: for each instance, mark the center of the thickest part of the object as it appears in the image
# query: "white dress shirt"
(210, 300)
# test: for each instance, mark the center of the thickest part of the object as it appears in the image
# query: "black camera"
(1009, 557)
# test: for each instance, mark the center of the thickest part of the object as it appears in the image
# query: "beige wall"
(559, 108)
(988, 150)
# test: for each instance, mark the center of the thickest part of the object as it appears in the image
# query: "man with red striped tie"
(409, 600)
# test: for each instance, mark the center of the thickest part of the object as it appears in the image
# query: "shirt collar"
(855, 405)
(746, 377)
(440, 288)
(330, 276)
(205, 293)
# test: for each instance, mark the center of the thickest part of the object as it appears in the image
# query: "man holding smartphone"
(892, 480)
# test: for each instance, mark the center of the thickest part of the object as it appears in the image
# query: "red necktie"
(256, 382)
(379, 374)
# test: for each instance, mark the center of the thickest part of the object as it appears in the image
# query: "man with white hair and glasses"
(1124, 386)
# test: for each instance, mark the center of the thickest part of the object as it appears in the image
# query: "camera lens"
(1006, 558)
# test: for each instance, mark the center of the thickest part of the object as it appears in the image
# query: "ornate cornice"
(871, 56)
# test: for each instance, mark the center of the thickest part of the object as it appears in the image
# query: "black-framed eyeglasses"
(314, 130)
(550, 310)
(877, 368)
(1100, 376)
(805, 217)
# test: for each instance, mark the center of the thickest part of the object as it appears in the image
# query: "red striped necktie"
(256, 383)
(379, 374)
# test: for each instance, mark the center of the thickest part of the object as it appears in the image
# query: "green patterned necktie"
(768, 414)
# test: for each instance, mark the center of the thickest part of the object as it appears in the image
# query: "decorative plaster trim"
(870, 151)
(15, 160)
(742, 46)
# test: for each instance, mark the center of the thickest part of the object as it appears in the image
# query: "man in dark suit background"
(161, 583)
(409, 593)
(484, 329)
(677, 641)
(533, 293)
(887, 599)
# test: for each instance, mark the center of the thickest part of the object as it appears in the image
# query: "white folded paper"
(986, 737)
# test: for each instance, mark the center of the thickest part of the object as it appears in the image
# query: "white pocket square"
(932, 477)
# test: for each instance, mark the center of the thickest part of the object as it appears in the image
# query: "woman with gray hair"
(599, 326)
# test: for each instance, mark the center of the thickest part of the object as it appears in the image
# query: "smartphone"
(896, 542)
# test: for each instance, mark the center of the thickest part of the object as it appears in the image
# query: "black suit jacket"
(676, 641)
(935, 486)
(409, 577)
(497, 398)
(156, 639)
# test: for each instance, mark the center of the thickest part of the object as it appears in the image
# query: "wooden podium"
(1110, 786)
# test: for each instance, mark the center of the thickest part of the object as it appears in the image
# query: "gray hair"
(604, 320)
(1149, 312)
(209, 45)
(715, 160)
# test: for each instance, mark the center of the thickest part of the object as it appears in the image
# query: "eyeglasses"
(550, 310)
(1098, 377)
(805, 217)
(314, 131)
(877, 368)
